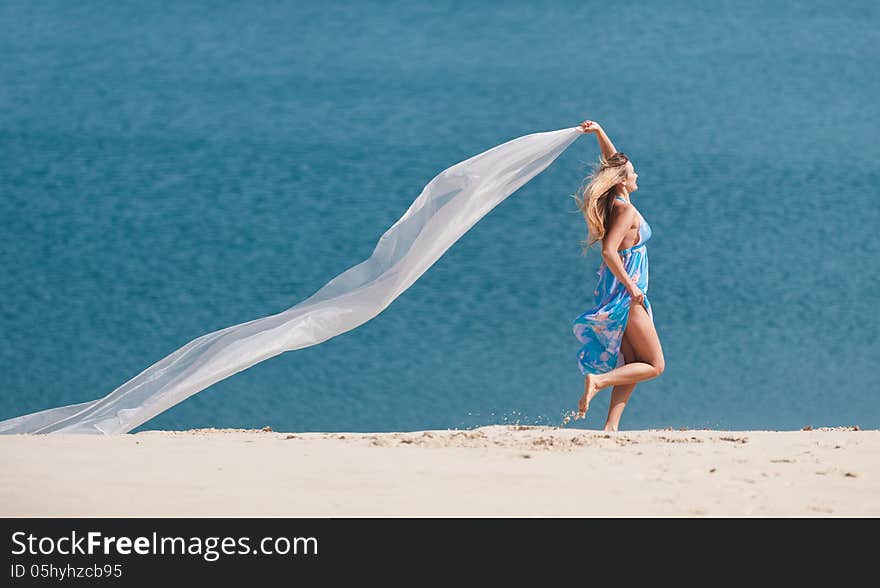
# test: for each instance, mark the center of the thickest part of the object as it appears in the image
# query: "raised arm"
(605, 144)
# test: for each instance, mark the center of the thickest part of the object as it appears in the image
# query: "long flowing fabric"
(449, 205)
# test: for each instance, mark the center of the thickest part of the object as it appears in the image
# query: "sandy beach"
(488, 471)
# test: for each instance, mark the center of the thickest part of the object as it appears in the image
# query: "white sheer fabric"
(448, 207)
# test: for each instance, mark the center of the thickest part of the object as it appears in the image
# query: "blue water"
(167, 171)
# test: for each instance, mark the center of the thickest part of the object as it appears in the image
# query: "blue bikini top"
(644, 231)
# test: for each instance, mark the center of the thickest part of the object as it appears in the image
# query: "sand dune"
(488, 471)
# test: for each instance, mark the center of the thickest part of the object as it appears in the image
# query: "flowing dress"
(601, 328)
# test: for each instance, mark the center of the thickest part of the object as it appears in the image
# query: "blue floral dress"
(601, 328)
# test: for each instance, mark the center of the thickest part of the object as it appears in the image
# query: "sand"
(489, 471)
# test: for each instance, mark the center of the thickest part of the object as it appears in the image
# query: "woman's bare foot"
(591, 388)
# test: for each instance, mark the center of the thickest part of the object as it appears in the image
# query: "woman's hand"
(589, 126)
(637, 295)
(605, 144)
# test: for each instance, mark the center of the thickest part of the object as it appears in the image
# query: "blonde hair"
(596, 195)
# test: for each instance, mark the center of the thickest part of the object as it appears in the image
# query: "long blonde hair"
(596, 195)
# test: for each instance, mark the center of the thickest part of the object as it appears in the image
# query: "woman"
(620, 345)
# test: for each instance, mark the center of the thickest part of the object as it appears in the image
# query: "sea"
(171, 169)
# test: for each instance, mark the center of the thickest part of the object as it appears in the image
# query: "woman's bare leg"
(619, 397)
(648, 354)
(620, 394)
